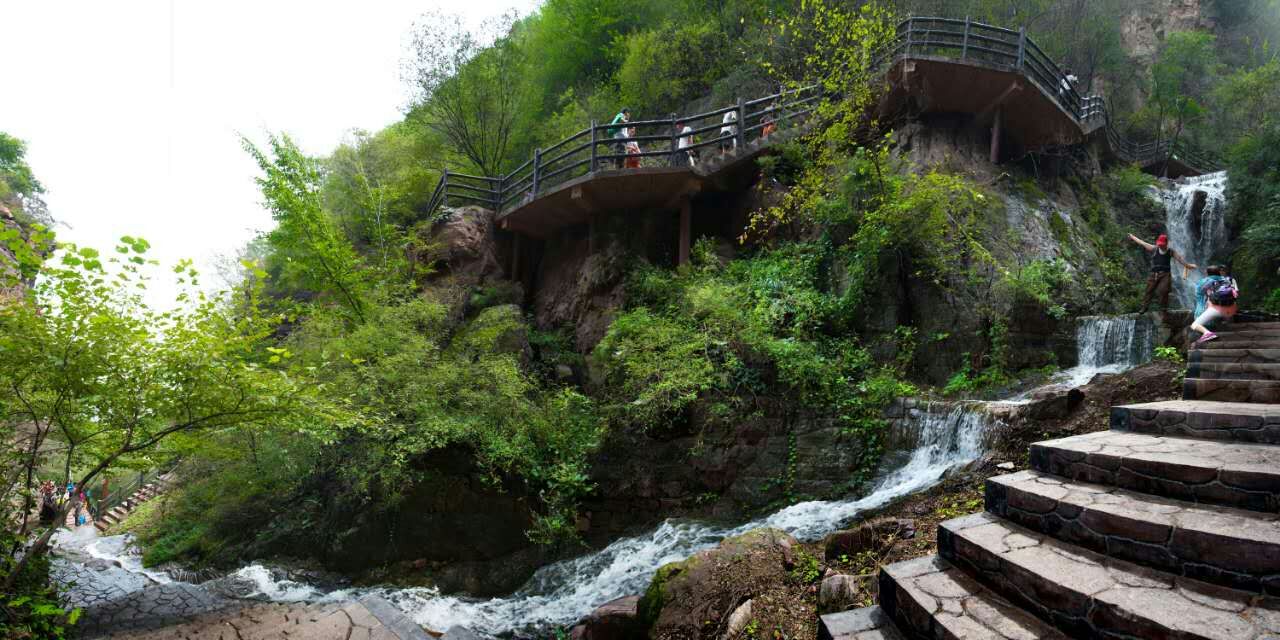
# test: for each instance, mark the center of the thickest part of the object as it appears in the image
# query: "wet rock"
(1006, 466)
(837, 593)
(460, 633)
(868, 536)
(615, 620)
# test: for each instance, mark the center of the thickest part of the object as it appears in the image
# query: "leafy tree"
(18, 185)
(1181, 81)
(91, 367)
(309, 248)
(471, 86)
(666, 68)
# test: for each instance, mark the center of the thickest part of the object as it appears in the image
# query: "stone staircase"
(1166, 526)
(121, 511)
(1242, 365)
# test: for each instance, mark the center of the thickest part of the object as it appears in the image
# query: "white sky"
(131, 108)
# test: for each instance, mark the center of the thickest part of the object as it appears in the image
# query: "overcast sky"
(131, 108)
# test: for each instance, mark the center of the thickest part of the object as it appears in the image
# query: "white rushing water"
(564, 592)
(1195, 216)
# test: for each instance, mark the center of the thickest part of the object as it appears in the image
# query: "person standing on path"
(686, 141)
(728, 133)
(619, 130)
(1161, 278)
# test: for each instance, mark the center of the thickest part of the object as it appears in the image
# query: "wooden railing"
(603, 146)
(598, 146)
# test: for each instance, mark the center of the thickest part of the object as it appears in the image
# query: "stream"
(945, 436)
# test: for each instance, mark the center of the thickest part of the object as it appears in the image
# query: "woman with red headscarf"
(1161, 278)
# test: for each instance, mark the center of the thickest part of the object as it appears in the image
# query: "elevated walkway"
(998, 76)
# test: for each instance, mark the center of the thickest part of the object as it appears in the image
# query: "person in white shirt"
(686, 141)
(729, 133)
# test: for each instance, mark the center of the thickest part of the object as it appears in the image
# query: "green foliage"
(30, 607)
(665, 68)
(1253, 195)
(807, 569)
(308, 250)
(1169, 353)
(1038, 281)
(1127, 183)
(767, 324)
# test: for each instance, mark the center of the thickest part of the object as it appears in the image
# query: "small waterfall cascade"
(1124, 341)
(945, 436)
(1195, 216)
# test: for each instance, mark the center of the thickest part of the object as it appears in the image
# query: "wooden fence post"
(537, 160)
(1022, 45)
(964, 46)
(742, 123)
(444, 191)
(593, 146)
(499, 188)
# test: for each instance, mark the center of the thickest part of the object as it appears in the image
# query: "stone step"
(1233, 355)
(1260, 391)
(1232, 474)
(1088, 595)
(1239, 421)
(1253, 326)
(929, 598)
(1234, 370)
(1234, 334)
(1252, 343)
(1230, 547)
(869, 623)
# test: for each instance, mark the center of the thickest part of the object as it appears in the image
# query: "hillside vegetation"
(419, 405)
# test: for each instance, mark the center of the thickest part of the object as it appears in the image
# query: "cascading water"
(1115, 341)
(564, 592)
(1195, 216)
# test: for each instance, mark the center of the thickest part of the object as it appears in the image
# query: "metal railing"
(639, 143)
(601, 146)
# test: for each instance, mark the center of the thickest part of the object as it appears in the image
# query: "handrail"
(914, 38)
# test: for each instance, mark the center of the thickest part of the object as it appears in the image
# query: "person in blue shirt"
(1203, 286)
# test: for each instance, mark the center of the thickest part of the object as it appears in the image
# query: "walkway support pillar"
(686, 222)
(515, 257)
(995, 136)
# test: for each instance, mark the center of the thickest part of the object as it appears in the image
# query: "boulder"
(615, 620)
(868, 536)
(738, 621)
(837, 593)
(706, 594)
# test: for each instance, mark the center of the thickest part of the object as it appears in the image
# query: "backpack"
(1223, 293)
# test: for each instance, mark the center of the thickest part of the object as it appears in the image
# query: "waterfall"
(1195, 216)
(562, 593)
(1119, 341)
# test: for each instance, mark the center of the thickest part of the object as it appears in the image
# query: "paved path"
(363, 620)
(1167, 526)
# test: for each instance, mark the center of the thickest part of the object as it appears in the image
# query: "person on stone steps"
(1161, 278)
(1216, 296)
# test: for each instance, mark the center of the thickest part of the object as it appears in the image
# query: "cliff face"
(1146, 26)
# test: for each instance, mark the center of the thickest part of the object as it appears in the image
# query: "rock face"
(723, 470)
(707, 595)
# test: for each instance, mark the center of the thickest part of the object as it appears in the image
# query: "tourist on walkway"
(620, 134)
(633, 150)
(48, 503)
(1069, 81)
(686, 141)
(1216, 296)
(1161, 278)
(728, 133)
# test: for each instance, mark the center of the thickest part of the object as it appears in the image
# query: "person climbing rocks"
(685, 142)
(1216, 296)
(620, 134)
(1161, 278)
